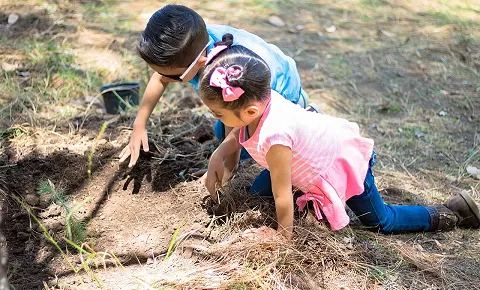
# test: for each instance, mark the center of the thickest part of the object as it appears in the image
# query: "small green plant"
(241, 286)
(94, 147)
(56, 195)
(173, 243)
(50, 54)
(389, 108)
(75, 228)
(13, 132)
(88, 256)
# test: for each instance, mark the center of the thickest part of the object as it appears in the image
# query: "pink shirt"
(330, 158)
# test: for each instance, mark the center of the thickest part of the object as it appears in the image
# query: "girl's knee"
(262, 185)
(387, 227)
(384, 227)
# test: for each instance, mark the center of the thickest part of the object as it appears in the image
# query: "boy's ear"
(252, 111)
(202, 61)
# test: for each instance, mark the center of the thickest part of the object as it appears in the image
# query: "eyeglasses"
(189, 68)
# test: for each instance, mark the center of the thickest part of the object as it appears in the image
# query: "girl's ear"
(252, 111)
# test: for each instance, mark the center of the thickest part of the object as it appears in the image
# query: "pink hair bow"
(214, 52)
(219, 80)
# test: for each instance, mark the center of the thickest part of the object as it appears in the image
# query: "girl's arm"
(231, 161)
(230, 144)
(279, 159)
(216, 167)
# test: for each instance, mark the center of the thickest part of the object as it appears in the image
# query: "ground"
(405, 71)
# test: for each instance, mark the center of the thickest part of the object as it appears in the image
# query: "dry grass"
(318, 260)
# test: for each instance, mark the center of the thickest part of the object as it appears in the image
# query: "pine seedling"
(76, 230)
(57, 195)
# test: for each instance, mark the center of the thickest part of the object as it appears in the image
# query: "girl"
(323, 156)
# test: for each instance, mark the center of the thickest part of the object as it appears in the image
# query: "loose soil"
(116, 198)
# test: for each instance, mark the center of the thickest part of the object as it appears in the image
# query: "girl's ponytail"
(234, 75)
(227, 39)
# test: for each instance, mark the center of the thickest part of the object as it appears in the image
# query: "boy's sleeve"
(285, 78)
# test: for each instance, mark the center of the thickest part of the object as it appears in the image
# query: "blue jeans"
(262, 185)
(377, 215)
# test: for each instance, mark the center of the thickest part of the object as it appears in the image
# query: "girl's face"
(244, 116)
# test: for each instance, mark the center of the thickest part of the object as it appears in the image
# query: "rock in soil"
(53, 224)
(12, 18)
(276, 21)
(32, 199)
(51, 211)
(23, 236)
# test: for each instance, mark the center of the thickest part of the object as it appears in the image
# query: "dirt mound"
(125, 209)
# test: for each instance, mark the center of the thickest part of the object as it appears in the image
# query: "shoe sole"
(471, 204)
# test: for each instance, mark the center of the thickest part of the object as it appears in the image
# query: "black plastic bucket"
(117, 97)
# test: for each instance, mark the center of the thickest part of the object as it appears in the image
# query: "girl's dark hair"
(173, 37)
(254, 78)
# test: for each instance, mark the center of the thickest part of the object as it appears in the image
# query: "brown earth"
(116, 199)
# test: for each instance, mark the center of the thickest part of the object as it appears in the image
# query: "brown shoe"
(466, 210)
(442, 218)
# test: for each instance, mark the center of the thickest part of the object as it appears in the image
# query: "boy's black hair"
(173, 37)
(254, 78)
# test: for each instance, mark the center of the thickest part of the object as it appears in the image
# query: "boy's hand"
(139, 138)
(214, 175)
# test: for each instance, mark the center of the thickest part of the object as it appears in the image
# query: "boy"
(175, 44)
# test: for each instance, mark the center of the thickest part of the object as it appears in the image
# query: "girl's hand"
(217, 172)
(214, 175)
(139, 138)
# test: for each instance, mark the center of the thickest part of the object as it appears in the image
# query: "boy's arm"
(279, 159)
(154, 90)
